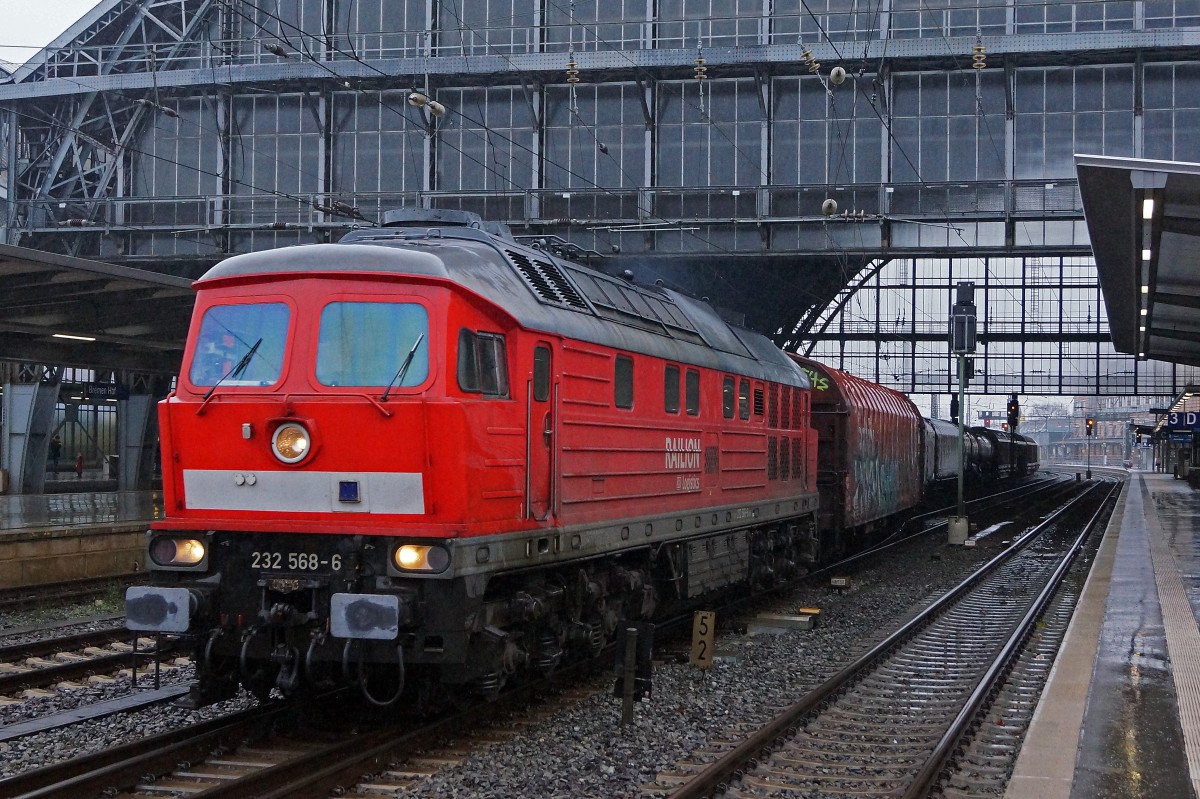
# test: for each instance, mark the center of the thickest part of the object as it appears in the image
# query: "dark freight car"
(1012, 454)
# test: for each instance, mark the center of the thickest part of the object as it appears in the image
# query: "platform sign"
(1182, 420)
(704, 624)
(103, 391)
(1181, 436)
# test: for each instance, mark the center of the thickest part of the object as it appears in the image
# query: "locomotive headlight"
(291, 442)
(166, 551)
(418, 558)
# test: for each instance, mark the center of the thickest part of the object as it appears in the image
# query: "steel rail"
(122, 765)
(64, 592)
(930, 773)
(717, 774)
(51, 646)
(42, 676)
(978, 504)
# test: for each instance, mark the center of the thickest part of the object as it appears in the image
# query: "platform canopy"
(55, 309)
(1143, 217)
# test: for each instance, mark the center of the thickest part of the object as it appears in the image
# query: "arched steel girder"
(813, 324)
(72, 166)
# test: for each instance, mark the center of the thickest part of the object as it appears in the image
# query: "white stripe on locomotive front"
(302, 492)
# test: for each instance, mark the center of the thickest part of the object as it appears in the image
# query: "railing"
(622, 209)
(559, 35)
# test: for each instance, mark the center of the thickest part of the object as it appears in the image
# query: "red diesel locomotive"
(431, 449)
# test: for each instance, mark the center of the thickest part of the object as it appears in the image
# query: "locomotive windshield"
(229, 333)
(367, 343)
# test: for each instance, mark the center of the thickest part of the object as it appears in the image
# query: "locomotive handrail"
(287, 399)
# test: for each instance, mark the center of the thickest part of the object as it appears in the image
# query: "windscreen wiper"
(237, 369)
(399, 376)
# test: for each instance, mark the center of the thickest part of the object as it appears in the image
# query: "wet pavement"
(35, 511)
(1132, 743)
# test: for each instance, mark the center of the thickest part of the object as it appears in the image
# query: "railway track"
(274, 751)
(65, 593)
(253, 761)
(51, 661)
(889, 724)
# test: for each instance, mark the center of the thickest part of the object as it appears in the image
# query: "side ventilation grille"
(547, 281)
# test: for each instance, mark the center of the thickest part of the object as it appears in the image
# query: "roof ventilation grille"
(547, 281)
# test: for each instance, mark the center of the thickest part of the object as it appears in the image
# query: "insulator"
(700, 70)
(813, 65)
(419, 100)
(572, 72)
(979, 59)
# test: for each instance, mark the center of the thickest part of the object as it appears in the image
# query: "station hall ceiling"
(76, 312)
(1143, 217)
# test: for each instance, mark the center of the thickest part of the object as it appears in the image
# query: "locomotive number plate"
(294, 561)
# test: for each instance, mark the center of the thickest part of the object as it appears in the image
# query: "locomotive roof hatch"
(539, 290)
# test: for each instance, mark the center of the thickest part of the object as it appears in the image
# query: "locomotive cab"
(436, 451)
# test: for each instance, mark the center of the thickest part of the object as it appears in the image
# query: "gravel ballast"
(583, 751)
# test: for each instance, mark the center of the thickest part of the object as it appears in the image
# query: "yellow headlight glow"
(414, 557)
(177, 551)
(410, 557)
(290, 442)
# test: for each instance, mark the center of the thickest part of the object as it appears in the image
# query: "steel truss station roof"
(1143, 217)
(78, 312)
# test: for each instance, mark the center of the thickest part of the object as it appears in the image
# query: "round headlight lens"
(176, 551)
(291, 442)
(410, 557)
(418, 558)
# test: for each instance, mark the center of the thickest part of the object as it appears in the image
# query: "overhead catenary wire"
(488, 130)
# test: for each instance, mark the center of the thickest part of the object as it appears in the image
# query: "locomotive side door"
(540, 445)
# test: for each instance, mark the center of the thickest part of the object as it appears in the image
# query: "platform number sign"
(704, 625)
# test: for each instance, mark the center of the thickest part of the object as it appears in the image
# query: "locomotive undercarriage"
(457, 636)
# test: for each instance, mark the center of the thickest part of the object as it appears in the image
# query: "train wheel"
(217, 674)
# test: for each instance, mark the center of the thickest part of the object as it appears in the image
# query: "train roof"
(539, 290)
(1001, 436)
(854, 394)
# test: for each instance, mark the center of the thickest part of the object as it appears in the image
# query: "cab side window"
(482, 363)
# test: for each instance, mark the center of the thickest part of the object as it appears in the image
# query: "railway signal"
(962, 343)
(1014, 416)
(1090, 424)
